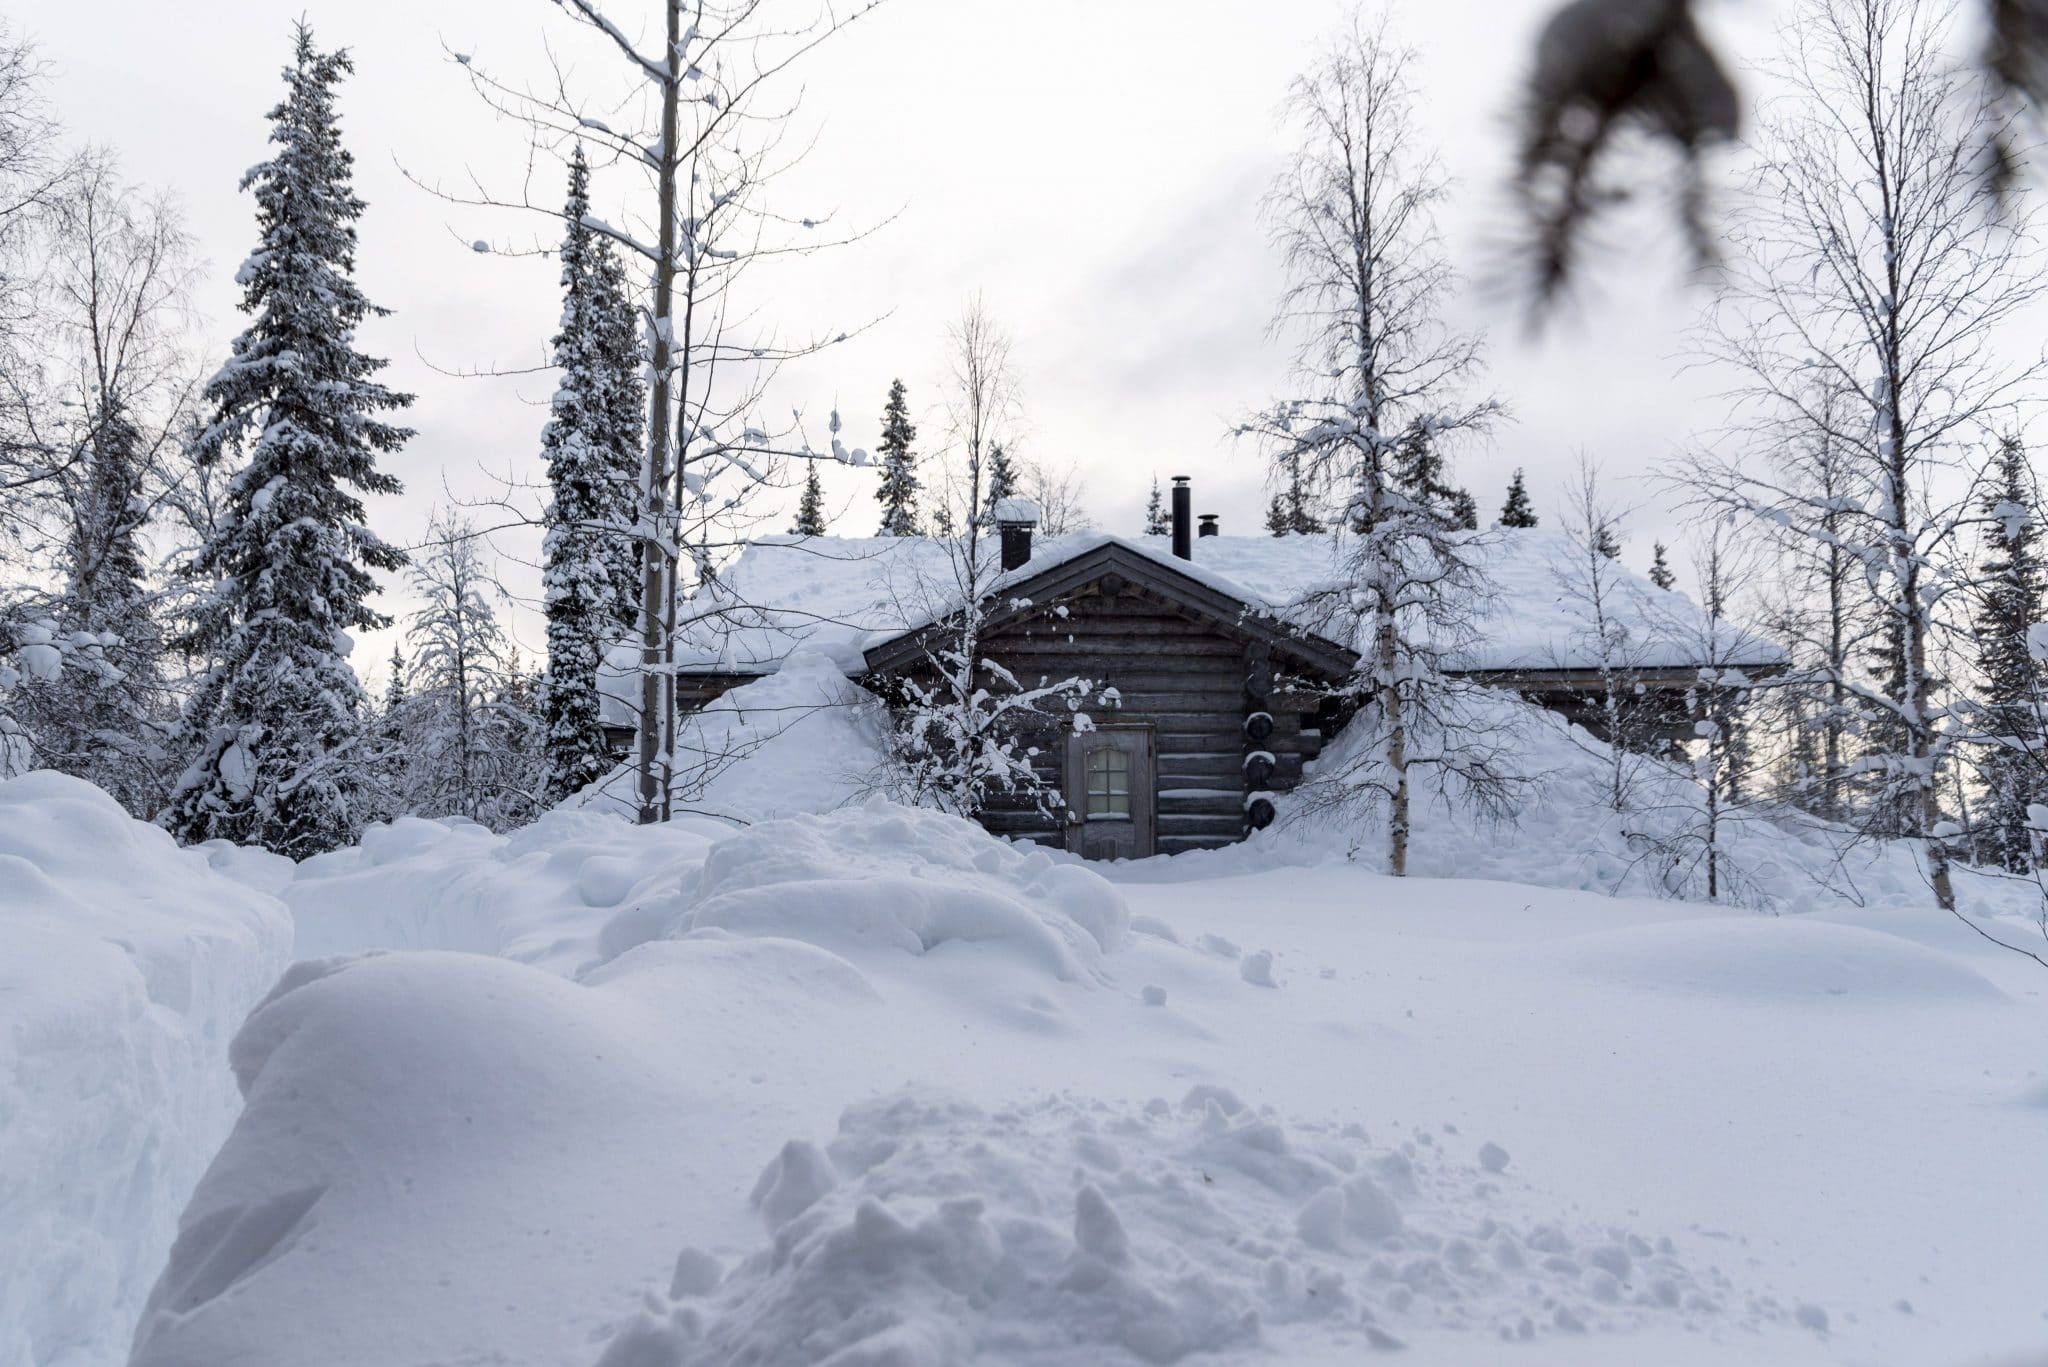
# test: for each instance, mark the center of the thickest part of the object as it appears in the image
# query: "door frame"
(1144, 785)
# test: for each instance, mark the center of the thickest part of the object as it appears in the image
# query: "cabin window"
(1109, 781)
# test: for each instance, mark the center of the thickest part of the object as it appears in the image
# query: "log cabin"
(1216, 670)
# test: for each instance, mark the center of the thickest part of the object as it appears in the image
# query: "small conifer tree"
(1517, 511)
(1156, 523)
(900, 484)
(1660, 568)
(810, 510)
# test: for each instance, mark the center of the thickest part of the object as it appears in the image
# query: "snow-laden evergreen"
(2008, 622)
(810, 509)
(1517, 510)
(275, 731)
(1660, 568)
(1156, 521)
(591, 445)
(106, 720)
(1001, 481)
(900, 484)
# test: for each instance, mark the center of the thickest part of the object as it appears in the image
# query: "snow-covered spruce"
(590, 578)
(898, 490)
(275, 730)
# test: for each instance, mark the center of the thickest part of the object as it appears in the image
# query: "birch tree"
(1869, 307)
(965, 730)
(104, 402)
(1378, 374)
(466, 738)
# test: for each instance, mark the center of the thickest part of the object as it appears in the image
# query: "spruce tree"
(1660, 568)
(1463, 510)
(275, 729)
(898, 491)
(1606, 542)
(394, 687)
(2008, 606)
(591, 563)
(1156, 521)
(810, 512)
(1518, 511)
(1301, 520)
(1002, 480)
(1277, 521)
(107, 723)
(107, 569)
(1418, 471)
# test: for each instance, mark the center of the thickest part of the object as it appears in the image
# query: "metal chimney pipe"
(1183, 515)
(1208, 527)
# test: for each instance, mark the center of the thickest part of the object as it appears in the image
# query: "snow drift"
(125, 965)
(887, 875)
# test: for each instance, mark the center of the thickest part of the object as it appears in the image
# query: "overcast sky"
(1093, 167)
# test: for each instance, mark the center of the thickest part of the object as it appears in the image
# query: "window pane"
(1109, 781)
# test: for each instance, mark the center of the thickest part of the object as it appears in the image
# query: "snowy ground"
(885, 1088)
(873, 1088)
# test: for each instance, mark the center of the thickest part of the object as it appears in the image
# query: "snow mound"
(125, 964)
(1565, 833)
(1778, 959)
(803, 739)
(931, 1232)
(547, 894)
(881, 876)
(395, 1101)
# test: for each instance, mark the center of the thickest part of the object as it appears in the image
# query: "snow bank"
(541, 895)
(403, 1115)
(125, 965)
(930, 1232)
(802, 739)
(1566, 834)
(887, 876)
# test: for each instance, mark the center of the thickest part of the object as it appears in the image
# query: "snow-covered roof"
(842, 595)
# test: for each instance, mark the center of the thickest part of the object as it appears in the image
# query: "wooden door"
(1111, 795)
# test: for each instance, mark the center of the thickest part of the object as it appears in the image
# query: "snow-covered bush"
(963, 738)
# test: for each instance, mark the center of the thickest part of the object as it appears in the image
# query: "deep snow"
(125, 966)
(1063, 1123)
(868, 1085)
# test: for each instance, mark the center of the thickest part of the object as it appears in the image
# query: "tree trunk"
(657, 682)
